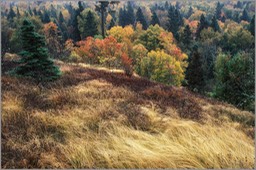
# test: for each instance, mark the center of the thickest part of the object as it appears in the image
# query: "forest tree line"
(207, 48)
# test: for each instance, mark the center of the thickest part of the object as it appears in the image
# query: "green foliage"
(130, 16)
(214, 24)
(194, 72)
(245, 16)
(175, 21)
(155, 19)
(218, 11)
(150, 38)
(236, 79)
(187, 36)
(252, 26)
(141, 18)
(88, 23)
(202, 25)
(161, 67)
(35, 62)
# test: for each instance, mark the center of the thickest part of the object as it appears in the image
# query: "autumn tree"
(53, 40)
(35, 62)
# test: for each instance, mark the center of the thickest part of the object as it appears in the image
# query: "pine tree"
(218, 11)
(175, 21)
(30, 11)
(166, 5)
(202, 25)
(155, 19)
(130, 14)
(35, 62)
(190, 12)
(252, 26)
(46, 17)
(18, 12)
(215, 24)
(194, 72)
(76, 34)
(91, 28)
(223, 18)
(121, 17)
(245, 16)
(11, 14)
(140, 18)
(53, 12)
(112, 23)
(61, 18)
(35, 12)
(239, 5)
(187, 37)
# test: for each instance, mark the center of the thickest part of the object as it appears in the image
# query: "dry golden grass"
(94, 118)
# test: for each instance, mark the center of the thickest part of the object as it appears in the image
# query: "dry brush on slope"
(94, 118)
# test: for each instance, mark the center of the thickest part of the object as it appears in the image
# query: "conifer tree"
(61, 18)
(35, 12)
(252, 26)
(130, 14)
(76, 34)
(214, 24)
(140, 18)
(112, 23)
(30, 11)
(11, 14)
(245, 16)
(174, 21)
(121, 17)
(35, 62)
(18, 12)
(194, 72)
(46, 17)
(187, 37)
(90, 28)
(202, 25)
(190, 12)
(166, 5)
(155, 19)
(218, 11)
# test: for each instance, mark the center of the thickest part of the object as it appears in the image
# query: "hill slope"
(95, 118)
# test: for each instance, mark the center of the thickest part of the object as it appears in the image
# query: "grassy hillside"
(96, 118)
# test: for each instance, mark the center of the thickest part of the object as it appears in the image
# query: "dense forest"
(194, 59)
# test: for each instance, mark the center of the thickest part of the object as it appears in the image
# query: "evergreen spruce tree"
(30, 11)
(252, 26)
(140, 18)
(155, 19)
(35, 12)
(239, 5)
(35, 62)
(245, 16)
(121, 17)
(46, 17)
(190, 12)
(53, 12)
(61, 18)
(194, 72)
(130, 14)
(214, 24)
(218, 11)
(76, 34)
(187, 37)
(166, 5)
(112, 23)
(175, 21)
(11, 14)
(91, 27)
(223, 18)
(18, 12)
(202, 25)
